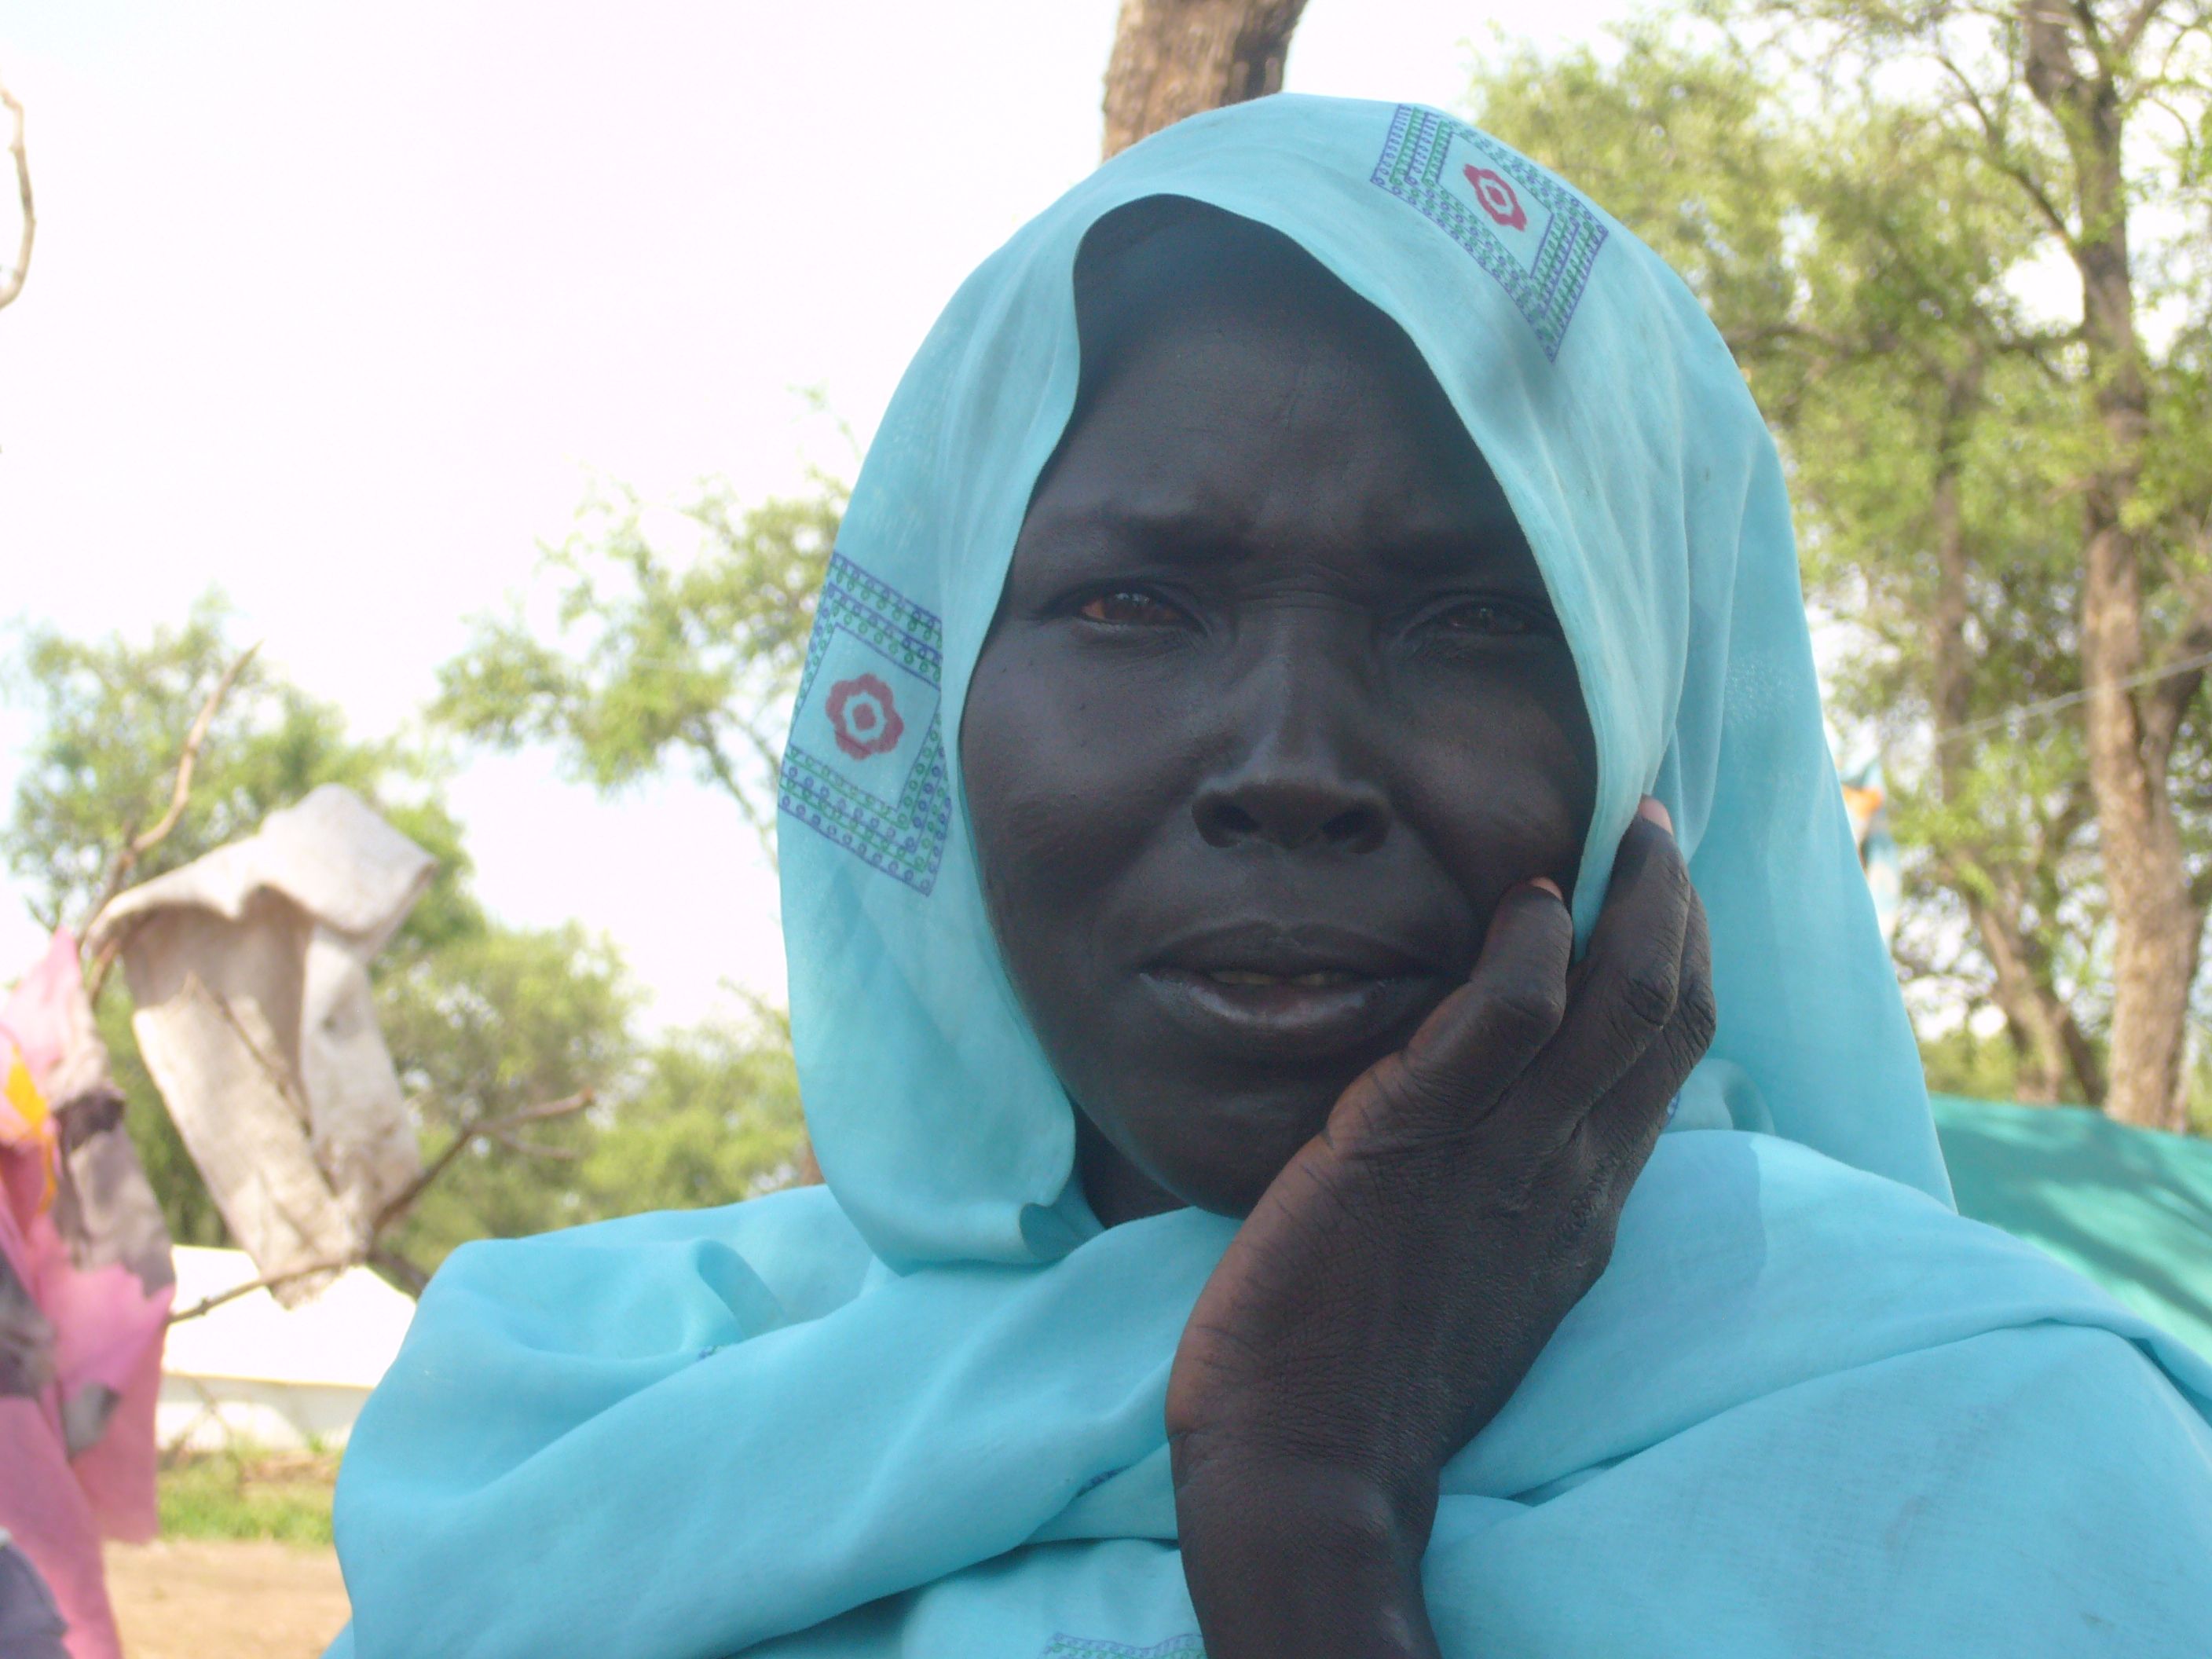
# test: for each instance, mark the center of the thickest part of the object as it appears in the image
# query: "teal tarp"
(2130, 1208)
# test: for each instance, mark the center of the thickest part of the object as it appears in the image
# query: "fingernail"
(1549, 886)
(1652, 808)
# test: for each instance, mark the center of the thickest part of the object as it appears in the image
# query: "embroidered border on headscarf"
(866, 765)
(1523, 226)
(1083, 1647)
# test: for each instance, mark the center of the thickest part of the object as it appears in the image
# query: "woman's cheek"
(1497, 806)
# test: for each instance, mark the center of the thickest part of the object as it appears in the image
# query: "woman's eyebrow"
(1178, 531)
(1194, 530)
(1487, 551)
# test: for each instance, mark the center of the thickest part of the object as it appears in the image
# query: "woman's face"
(1273, 711)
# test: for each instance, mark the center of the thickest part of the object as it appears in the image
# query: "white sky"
(340, 308)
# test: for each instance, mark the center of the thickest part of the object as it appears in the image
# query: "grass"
(243, 1493)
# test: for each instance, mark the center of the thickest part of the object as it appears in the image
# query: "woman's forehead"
(1165, 261)
(1219, 416)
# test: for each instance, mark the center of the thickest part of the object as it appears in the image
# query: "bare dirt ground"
(203, 1599)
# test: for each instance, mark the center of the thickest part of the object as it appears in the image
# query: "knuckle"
(1649, 996)
(1697, 1016)
(1412, 1095)
(1528, 1008)
(1592, 1219)
(1700, 924)
(1667, 860)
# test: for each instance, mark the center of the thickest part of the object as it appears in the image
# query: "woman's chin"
(1222, 1153)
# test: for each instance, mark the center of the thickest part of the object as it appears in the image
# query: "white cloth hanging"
(249, 969)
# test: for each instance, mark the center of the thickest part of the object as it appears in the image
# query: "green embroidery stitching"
(902, 837)
(1547, 291)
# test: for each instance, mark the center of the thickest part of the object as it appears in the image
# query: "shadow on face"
(1273, 711)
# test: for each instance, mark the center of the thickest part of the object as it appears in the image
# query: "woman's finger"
(1627, 1122)
(1483, 1036)
(1626, 996)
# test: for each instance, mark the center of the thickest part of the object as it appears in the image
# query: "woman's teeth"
(1316, 981)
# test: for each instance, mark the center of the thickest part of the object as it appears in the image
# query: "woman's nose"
(1294, 774)
(1291, 810)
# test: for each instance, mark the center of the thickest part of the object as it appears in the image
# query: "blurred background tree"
(653, 655)
(481, 1018)
(1867, 202)
(112, 718)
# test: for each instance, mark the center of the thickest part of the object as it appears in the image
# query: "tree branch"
(208, 1304)
(126, 859)
(2001, 151)
(723, 770)
(13, 284)
(373, 1252)
(479, 1129)
(2049, 67)
(2167, 696)
(2092, 38)
(2138, 25)
(521, 1148)
(393, 1265)
(1745, 340)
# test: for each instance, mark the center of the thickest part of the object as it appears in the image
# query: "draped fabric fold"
(626, 1440)
(1807, 1409)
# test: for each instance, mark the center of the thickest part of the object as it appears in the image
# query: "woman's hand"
(1396, 1281)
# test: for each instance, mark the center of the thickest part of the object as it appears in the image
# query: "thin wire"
(2067, 700)
(2025, 711)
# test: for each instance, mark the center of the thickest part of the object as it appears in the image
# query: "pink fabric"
(109, 1332)
(27, 1152)
(39, 1010)
(116, 1472)
(42, 1507)
(45, 1512)
(99, 1324)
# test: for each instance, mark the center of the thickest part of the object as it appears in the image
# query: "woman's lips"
(1253, 1014)
(1269, 992)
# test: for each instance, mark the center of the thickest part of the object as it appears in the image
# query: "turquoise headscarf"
(1807, 1408)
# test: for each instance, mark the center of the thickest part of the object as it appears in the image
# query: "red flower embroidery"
(864, 718)
(1497, 198)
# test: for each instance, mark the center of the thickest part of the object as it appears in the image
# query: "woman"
(1356, 593)
(85, 1289)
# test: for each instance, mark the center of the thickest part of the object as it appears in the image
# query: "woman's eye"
(1131, 607)
(1489, 617)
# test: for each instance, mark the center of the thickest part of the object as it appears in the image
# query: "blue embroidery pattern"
(1080, 1647)
(865, 764)
(1547, 279)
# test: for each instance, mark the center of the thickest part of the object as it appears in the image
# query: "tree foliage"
(710, 1114)
(656, 655)
(481, 1018)
(499, 1019)
(111, 721)
(1871, 256)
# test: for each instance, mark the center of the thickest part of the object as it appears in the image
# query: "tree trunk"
(2056, 1058)
(2156, 927)
(1175, 57)
(2051, 1048)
